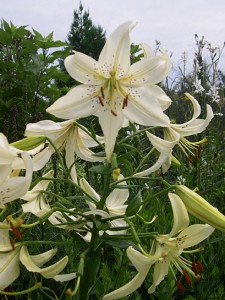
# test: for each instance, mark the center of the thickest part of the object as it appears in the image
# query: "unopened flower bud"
(200, 208)
(29, 143)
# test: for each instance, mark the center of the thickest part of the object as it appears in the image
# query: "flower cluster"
(120, 95)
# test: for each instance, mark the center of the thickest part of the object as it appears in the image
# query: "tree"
(84, 36)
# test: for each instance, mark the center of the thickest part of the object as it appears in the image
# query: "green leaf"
(134, 205)
(101, 169)
(119, 243)
(91, 267)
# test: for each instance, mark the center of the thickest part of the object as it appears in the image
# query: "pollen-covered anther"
(125, 102)
(194, 268)
(197, 152)
(12, 243)
(187, 278)
(113, 113)
(102, 93)
(180, 286)
(101, 101)
(200, 266)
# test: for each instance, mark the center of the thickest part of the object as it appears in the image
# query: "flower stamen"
(180, 286)
(12, 243)
(194, 268)
(200, 266)
(125, 102)
(102, 92)
(187, 278)
(101, 101)
(113, 113)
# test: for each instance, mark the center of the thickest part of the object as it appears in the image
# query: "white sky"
(173, 22)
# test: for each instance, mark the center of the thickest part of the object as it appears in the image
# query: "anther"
(101, 101)
(12, 243)
(125, 102)
(102, 92)
(190, 159)
(113, 113)
(16, 231)
(180, 286)
(194, 268)
(187, 277)
(200, 266)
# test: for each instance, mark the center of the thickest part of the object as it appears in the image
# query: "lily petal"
(196, 126)
(116, 199)
(110, 125)
(142, 265)
(16, 187)
(9, 268)
(47, 272)
(149, 71)
(196, 113)
(40, 186)
(128, 288)
(161, 269)
(144, 109)
(79, 102)
(194, 235)
(180, 214)
(64, 277)
(115, 54)
(83, 68)
(40, 259)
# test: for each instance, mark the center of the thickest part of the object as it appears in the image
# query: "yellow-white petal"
(47, 272)
(194, 234)
(83, 68)
(115, 54)
(9, 268)
(79, 102)
(180, 214)
(149, 71)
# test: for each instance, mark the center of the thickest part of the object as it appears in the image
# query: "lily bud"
(29, 143)
(200, 208)
(175, 162)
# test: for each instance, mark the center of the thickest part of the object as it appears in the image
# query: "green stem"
(133, 231)
(144, 159)
(89, 133)
(134, 134)
(105, 192)
(38, 285)
(158, 194)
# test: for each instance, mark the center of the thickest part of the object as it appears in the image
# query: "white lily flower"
(69, 136)
(12, 187)
(113, 88)
(175, 135)
(10, 262)
(36, 203)
(114, 204)
(170, 248)
(142, 264)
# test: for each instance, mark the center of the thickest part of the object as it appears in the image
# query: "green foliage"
(28, 73)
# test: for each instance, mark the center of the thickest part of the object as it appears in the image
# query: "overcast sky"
(173, 22)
